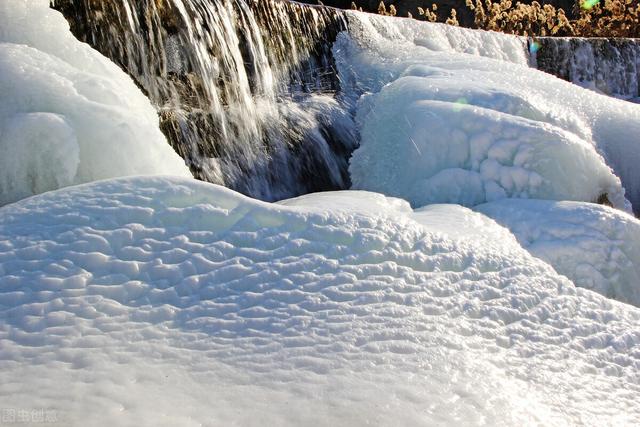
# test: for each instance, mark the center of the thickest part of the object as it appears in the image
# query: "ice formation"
(167, 301)
(458, 116)
(68, 114)
(597, 247)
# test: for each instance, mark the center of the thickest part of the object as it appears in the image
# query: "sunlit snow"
(136, 293)
(68, 115)
(595, 246)
(166, 301)
(451, 121)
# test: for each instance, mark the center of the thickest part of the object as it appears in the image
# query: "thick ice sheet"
(164, 301)
(597, 247)
(67, 114)
(457, 116)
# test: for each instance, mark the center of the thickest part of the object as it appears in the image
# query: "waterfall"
(249, 94)
(610, 66)
(245, 90)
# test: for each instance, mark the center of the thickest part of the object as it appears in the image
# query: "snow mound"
(460, 223)
(67, 114)
(597, 247)
(460, 124)
(430, 151)
(351, 201)
(166, 301)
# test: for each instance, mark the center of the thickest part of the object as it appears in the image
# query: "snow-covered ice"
(68, 115)
(430, 151)
(597, 247)
(166, 301)
(457, 116)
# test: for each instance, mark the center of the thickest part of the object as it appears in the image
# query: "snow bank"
(432, 151)
(597, 247)
(166, 301)
(460, 223)
(67, 114)
(452, 122)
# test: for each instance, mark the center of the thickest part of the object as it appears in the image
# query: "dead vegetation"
(591, 18)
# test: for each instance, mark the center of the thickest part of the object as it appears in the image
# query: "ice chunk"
(439, 100)
(430, 151)
(68, 115)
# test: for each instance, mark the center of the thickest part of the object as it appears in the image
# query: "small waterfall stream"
(245, 89)
(610, 66)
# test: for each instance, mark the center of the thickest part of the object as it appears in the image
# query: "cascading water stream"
(610, 66)
(245, 90)
(248, 91)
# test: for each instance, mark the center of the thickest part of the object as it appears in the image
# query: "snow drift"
(597, 247)
(68, 115)
(458, 116)
(169, 301)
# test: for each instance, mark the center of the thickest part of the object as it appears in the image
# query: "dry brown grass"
(611, 18)
(594, 18)
(608, 18)
(523, 19)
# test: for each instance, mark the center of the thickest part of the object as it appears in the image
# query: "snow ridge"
(106, 281)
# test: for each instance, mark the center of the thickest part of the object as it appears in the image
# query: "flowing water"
(245, 90)
(248, 92)
(610, 66)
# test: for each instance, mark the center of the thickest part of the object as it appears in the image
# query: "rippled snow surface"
(164, 301)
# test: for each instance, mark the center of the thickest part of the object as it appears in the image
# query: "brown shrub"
(594, 18)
